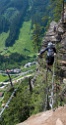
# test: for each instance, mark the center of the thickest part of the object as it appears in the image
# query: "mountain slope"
(58, 115)
(11, 17)
(17, 18)
(14, 13)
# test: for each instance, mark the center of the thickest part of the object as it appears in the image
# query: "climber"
(51, 51)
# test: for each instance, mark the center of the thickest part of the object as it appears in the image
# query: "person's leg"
(49, 68)
(49, 63)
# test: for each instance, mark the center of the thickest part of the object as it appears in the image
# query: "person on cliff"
(51, 51)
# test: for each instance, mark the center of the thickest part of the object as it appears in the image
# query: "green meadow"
(3, 37)
(3, 77)
(23, 45)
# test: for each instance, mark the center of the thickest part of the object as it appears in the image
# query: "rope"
(52, 90)
(12, 95)
(51, 103)
(46, 102)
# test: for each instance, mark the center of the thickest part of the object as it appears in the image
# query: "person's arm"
(42, 51)
(54, 51)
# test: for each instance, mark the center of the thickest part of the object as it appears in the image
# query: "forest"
(13, 13)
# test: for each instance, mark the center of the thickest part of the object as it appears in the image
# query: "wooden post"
(7, 71)
(47, 106)
(52, 90)
(30, 86)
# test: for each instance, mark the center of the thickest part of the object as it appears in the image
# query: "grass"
(3, 78)
(24, 43)
(3, 37)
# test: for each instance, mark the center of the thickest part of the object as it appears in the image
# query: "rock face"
(54, 33)
(51, 34)
(58, 117)
(57, 34)
(63, 53)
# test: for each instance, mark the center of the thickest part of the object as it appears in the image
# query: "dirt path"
(58, 117)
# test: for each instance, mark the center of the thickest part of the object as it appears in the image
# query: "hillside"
(16, 29)
(35, 99)
(12, 14)
(30, 97)
(57, 117)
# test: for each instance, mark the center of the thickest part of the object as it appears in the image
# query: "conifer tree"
(57, 7)
(37, 37)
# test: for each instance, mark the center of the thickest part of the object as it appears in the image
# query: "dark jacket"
(50, 51)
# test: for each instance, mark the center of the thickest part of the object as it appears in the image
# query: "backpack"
(50, 51)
